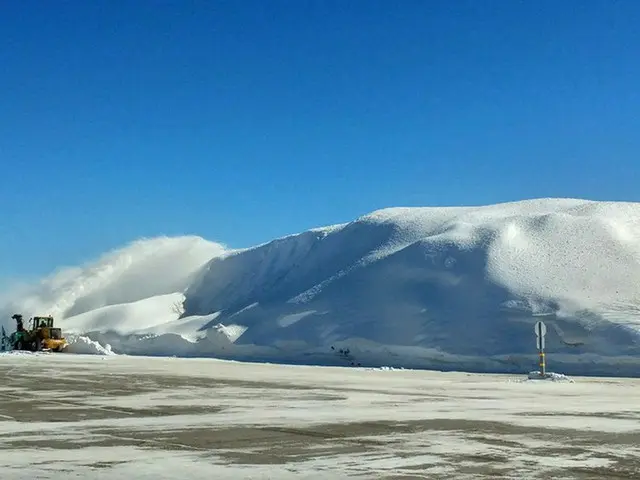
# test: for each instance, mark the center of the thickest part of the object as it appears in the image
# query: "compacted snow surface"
(121, 417)
(441, 288)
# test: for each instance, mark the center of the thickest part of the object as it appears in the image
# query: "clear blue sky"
(245, 120)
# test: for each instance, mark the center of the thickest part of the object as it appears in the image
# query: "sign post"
(541, 330)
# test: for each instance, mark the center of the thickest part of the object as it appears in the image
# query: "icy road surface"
(122, 417)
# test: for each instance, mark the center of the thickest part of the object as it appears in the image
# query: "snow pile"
(548, 377)
(84, 345)
(447, 288)
(146, 313)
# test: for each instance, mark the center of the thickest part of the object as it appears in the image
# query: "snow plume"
(446, 288)
(143, 269)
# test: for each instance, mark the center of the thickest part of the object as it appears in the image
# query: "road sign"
(540, 329)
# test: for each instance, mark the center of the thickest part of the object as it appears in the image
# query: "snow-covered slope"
(433, 287)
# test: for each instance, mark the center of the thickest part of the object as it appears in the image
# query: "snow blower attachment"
(42, 336)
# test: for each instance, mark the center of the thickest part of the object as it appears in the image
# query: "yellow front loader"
(50, 336)
(42, 336)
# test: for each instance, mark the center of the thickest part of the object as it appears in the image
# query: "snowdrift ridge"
(446, 287)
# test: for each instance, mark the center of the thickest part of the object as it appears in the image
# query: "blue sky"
(243, 121)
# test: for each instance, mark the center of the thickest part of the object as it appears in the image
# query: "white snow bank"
(548, 376)
(83, 345)
(127, 317)
(448, 288)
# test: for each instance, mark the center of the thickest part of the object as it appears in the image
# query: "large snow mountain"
(451, 288)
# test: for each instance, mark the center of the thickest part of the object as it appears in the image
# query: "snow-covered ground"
(110, 417)
(443, 288)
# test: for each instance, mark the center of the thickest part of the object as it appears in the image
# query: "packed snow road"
(134, 417)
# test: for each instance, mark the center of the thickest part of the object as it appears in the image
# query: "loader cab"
(44, 326)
